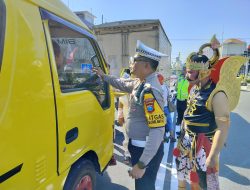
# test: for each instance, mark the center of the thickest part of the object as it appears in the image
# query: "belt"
(138, 143)
(193, 134)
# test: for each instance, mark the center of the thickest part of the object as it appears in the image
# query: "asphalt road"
(234, 160)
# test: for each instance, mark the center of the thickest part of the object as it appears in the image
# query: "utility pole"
(246, 69)
(247, 54)
(222, 35)
(247, 64)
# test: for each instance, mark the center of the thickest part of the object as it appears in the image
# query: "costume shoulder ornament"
(228, 82)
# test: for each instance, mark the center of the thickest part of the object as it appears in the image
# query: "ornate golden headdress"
(199, 62)
(196, 61)
(224, 71)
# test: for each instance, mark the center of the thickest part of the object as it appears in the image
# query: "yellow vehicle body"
(45, 130)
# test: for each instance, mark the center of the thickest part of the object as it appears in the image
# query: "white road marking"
(159, 184)
(174, 180)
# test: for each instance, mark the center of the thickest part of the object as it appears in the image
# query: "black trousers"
(181, 107)
(147, 182)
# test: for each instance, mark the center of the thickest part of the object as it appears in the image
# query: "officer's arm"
(153, 143)
(157, 129)
(220, 106)
(125, 85)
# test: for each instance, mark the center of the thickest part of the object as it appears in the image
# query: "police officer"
(146, 120)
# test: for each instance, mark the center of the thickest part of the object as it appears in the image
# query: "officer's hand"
(98, 71)
(136, 173)
(121, 121)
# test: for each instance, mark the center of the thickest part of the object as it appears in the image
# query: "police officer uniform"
(146, 119)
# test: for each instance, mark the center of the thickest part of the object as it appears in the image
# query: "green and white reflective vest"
(182, 89)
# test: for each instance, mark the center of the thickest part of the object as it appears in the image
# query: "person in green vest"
(182, 95)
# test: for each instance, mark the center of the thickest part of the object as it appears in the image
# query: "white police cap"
(145, 51)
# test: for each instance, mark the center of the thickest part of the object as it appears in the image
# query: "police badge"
(150, 104)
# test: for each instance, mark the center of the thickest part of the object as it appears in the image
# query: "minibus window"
(2, 29)
(75, 56)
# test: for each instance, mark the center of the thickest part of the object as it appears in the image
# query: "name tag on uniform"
(153, 112)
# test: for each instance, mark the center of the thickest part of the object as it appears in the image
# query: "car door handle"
(71, 135)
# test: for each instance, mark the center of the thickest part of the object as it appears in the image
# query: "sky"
(187, 23)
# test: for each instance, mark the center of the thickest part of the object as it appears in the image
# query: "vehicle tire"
(82, 176)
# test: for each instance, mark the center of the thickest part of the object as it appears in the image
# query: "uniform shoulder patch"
(153, 112)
